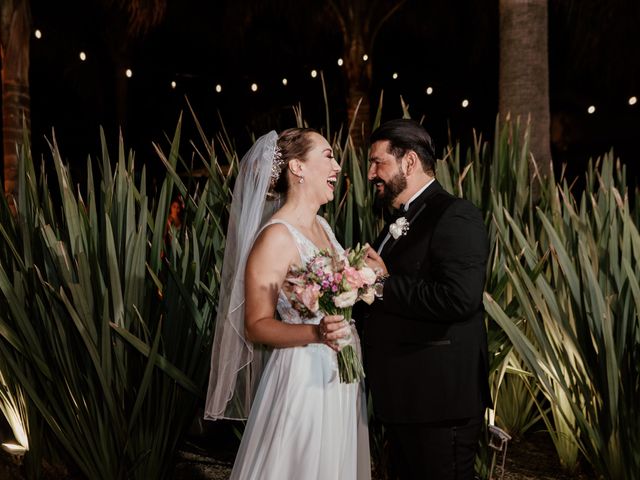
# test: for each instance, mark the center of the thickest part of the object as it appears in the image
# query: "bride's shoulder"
(275, 235)
(273, 246)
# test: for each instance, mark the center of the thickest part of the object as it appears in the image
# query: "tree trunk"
(524, 72)
(358, 75)
(15, 32)
(119, 43)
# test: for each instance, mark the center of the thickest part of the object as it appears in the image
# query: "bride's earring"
(300, 175)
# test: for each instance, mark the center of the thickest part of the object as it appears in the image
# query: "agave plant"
(577, 291)
(503, 182)
(107, 319)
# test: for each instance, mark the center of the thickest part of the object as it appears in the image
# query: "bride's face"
(320, 170)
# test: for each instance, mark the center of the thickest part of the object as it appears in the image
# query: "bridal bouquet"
(331, 284)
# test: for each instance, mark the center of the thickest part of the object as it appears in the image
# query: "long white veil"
(236, 364)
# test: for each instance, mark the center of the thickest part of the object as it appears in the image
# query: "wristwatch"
(378, 288)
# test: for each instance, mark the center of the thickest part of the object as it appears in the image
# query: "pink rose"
(310, 296)
(353, 277)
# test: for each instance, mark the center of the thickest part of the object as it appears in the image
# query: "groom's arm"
(458, 256)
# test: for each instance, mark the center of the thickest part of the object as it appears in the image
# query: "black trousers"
(434, 451)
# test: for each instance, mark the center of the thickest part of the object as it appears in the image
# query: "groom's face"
(386, 174)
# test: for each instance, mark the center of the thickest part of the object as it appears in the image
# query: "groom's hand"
(375, 262)
(332, 328)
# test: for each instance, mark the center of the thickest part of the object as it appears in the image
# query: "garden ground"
(210, 456)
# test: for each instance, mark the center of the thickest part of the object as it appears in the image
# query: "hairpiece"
(276, 165)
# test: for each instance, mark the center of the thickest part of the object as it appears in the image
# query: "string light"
(314, 73)
(38, 34)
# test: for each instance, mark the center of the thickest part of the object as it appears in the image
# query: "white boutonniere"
(399, 227)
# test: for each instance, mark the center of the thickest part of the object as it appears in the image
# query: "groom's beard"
(392, 188)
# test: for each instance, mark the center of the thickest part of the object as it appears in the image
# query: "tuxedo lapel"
(385, 230)
(381, 235)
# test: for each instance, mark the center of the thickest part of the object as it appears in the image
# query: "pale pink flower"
(368, 296)
(322, 264)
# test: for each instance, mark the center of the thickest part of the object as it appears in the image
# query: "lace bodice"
(307, 249)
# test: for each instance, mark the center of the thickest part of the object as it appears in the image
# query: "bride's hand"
(332, 328)
(375, 262)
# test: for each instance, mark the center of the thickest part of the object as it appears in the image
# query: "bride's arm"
(267, 266)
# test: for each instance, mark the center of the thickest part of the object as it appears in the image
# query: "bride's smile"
(320, 171)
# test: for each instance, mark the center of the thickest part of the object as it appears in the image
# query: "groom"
(425, 345)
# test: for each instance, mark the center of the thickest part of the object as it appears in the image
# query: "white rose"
(368, 275)
(346, 299)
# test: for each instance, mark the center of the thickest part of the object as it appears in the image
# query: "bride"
(303, 423)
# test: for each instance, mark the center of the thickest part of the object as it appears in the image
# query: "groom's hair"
(403, 135)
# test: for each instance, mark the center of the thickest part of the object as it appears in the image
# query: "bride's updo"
(292, 143)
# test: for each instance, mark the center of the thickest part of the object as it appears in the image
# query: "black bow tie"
(396, 213)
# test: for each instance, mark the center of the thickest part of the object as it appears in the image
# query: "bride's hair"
(292, 143)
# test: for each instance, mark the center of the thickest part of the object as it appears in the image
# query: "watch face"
(378, 289)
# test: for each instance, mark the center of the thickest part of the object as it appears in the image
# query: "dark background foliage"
(450, 46)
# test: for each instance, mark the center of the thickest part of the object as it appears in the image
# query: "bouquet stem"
(349, 365)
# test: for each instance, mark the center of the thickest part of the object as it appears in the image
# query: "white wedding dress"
(304, 424)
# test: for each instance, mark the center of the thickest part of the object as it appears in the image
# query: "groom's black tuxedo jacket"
(425, 345)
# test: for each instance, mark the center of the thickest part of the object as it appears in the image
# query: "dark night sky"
(451, 46)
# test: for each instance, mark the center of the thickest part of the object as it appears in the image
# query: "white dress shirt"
(406, 208)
